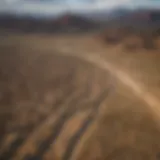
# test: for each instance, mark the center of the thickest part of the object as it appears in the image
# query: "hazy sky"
(60, 6)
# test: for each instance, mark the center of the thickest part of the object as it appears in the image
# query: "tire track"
(20, 140)
(80, 96)
(152, 102)
(74, 140)
(66, 115)
(60, 111)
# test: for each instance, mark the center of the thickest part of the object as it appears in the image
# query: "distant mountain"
(64, 23)
(105, 15)
(75, 22)
(69, 22)
(119, 12)
(140, 18)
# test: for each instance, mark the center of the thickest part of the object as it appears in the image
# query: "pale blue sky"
(60, 6)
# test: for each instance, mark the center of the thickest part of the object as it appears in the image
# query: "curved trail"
(80, 110)
(152, 102)
(77, 91)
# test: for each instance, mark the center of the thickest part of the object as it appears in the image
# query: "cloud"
(61, 6)
(57, 6)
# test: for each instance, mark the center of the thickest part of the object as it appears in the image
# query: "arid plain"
(78, 97)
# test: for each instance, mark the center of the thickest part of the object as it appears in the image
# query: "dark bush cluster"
(133, 38)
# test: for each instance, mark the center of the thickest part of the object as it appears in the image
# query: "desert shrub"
(112, 39)
(148, 41)
(156, 33)
(132, 43)
(133, 38)
(113, 36)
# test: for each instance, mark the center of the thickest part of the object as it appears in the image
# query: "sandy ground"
(102, 102)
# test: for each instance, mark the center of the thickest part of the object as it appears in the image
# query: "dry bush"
(132, 38)
(117, 35)
(132, 43)
(113, 40)
(156, 33)
(140, 42)
(148, 40)
(114, 36)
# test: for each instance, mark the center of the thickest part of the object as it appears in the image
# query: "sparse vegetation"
(42, 83)
(132, 39)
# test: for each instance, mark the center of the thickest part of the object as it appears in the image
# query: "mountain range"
(70, 22)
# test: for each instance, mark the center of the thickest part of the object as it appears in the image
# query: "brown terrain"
(79, 97)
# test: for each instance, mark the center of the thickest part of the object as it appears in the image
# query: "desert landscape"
(88, 96)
